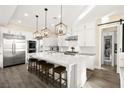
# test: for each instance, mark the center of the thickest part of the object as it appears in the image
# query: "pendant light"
(61, 28)
(37, 34)
(45, 31)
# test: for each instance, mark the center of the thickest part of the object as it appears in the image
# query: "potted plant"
(72, 48)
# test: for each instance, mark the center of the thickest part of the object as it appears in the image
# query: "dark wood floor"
(103, 78)
(19, 77)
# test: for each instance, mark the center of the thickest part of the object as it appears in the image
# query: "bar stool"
(41, 70)
(38, 67)
(32, 64)
(48, 76)
(60, 70)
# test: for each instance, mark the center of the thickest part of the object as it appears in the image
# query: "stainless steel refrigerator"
(13, 50)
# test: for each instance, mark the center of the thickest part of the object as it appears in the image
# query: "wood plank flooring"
(103, 78)
(19, 77)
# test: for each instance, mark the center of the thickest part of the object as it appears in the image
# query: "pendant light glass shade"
(37, 34)
(45, 31)
(61, 28)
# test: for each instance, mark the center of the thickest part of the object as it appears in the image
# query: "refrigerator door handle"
(12, 48)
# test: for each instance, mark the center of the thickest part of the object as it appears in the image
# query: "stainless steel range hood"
(72, 38)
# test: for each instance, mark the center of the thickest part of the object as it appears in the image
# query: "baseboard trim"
(97, 67)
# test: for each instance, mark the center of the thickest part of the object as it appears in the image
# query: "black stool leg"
(66, 78)
(39, 69)
(28, 66)
(47, 76)
(35, 66)
(43, 73)
(31, 66)
(60, 80)
(53, 78)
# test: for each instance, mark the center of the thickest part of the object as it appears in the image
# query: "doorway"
(109, 48)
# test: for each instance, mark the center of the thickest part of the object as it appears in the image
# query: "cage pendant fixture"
(37, 34)
(61, 28)
(45, 31)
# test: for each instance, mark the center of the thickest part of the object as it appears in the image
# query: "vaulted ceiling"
(25, 14)
(6, 13)
(16, 14)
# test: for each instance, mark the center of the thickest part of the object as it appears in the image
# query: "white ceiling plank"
(102, 10)
(12, 14)
(6, 12)
(70, 14)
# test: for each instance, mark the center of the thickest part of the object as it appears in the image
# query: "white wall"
(51, 41)
(48, 42)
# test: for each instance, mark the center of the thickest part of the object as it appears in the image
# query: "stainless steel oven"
(31, 46)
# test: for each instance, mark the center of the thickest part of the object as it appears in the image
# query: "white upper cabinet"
(90, 36)
(86, 35)
(81, 36)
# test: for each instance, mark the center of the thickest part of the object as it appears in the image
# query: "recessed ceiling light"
(25, 14)
(19, 21)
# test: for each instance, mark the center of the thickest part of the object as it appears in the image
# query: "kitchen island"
(75, 66)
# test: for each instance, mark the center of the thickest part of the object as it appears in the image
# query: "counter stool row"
(47, 72)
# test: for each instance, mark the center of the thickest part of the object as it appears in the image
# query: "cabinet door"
(90, 37)
(81, 38)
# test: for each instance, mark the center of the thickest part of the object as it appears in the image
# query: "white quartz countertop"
(60, 58)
